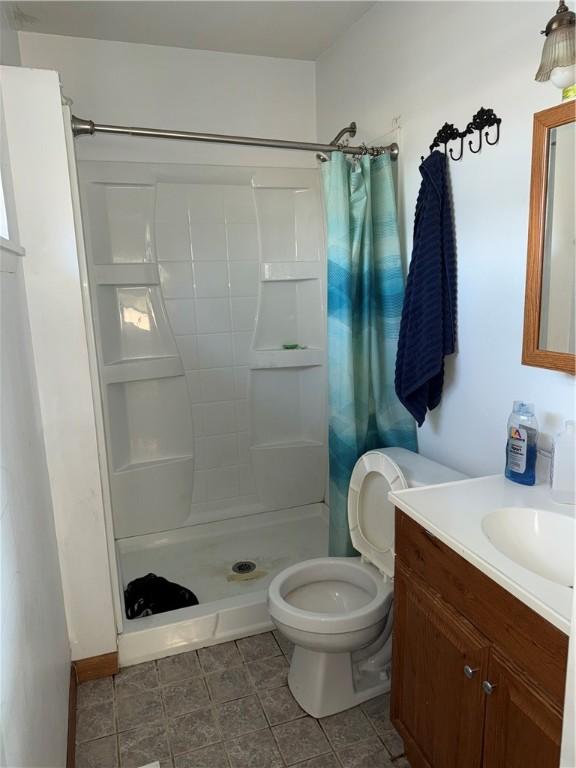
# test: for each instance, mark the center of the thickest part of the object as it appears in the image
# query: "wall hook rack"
(483, 119)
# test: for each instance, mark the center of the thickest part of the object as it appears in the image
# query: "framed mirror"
(549, 309)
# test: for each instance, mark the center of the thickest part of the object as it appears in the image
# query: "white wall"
(160, 87)
(9, 47)
(34, 650)
(437, 62)
(45, 216)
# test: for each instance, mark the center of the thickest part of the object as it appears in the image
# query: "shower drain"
(244, 566)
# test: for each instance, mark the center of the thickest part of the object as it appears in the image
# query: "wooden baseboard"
(71, 748)
(95, 667)
(82, 670)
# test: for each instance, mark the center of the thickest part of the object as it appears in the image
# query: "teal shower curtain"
(365, 293)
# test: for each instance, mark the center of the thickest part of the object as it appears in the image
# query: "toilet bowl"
(338, 610)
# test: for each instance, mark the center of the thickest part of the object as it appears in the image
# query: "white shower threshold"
(200, 557)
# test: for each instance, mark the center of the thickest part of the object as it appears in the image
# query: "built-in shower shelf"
(126, 274)
(160, 462)
(286, 358)
(286, 444)
(142, 369)
(273, 271)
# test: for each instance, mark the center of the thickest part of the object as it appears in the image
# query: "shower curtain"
(365, 292)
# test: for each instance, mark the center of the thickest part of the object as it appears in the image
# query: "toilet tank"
(419, 471)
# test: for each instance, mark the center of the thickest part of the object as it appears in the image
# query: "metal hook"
(487, 135)
(475, 151)
(451, 152)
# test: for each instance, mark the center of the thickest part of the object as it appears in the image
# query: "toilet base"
(323, 683)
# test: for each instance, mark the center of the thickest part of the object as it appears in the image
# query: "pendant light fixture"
(558, 62)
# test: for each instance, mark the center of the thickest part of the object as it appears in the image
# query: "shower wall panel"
(208, 294)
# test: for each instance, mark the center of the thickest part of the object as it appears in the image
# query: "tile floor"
(226, 706)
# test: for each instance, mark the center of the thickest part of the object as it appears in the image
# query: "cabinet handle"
(470, 671)
(488, 687)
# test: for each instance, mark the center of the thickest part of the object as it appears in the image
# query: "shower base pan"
(202, 558)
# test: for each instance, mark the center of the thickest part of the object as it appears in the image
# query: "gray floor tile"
(95, 692)
(143, 745)
(229, 684)
(185, 697)
(134, 680)
(377, 710)
(187, 705)
(257, 750)
(393, 742)
(173, 669)
(102, 753)
(258, 647)
(194, 730)
(286, 646)
(366, 754)
(207, 757)
(144, 708)
(95, 721)
(240, 716)
(280, 706)
(269, 673)
(300, 740)
(219, 657)
(346, 728)
(329, 760)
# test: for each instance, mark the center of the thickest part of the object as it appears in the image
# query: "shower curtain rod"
(82, 127)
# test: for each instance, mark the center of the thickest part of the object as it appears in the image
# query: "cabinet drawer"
(538, 647)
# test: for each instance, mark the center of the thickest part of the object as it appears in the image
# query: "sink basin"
(539, 540)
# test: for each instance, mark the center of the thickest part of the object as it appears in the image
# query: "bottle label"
(517, 449)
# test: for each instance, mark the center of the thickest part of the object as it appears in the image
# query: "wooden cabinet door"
(438, 710)
(523, 728)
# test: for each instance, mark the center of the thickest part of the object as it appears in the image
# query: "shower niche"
(133, 321)
(208, 292)
(148, 418)
(287, 363)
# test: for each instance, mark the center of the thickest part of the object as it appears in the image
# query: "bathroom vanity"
(481, 642)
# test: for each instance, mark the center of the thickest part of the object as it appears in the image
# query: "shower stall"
(200, 278)
(207, 288)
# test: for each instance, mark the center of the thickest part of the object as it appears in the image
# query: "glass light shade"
(562, 77)
(559, 51)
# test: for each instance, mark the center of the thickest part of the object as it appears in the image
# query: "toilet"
(338, 610)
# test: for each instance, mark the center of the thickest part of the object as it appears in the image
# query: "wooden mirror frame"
(532, 354)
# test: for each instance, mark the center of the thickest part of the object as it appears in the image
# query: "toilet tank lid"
(418, 470)
(370, 513)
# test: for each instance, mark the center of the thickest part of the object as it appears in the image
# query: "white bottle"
(564, 465)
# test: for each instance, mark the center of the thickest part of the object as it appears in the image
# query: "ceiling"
(293, 30)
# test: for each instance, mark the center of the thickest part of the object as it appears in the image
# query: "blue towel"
(428, 326)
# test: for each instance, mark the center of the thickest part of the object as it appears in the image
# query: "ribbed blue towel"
(428, 326)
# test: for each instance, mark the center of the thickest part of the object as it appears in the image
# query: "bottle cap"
(523, 408)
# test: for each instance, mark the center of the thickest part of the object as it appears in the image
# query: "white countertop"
(453, 512)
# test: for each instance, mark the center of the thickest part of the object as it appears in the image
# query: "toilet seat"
(370, 514)
(321, 574)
